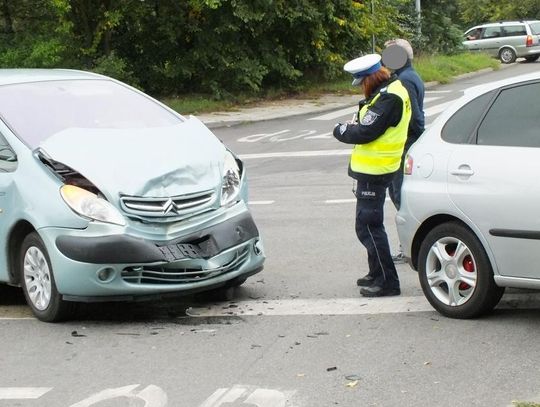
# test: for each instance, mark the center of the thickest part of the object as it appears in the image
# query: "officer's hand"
(339, 129)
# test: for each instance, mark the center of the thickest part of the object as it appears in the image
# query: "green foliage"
(222, 47)
(484, 11)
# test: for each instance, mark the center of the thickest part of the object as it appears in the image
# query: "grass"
(440, 68)
(524, 404)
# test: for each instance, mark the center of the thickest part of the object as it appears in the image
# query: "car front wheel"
(507, 55)
(455, 272)
(37, 281)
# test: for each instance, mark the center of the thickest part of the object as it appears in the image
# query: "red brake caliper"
(468, 265)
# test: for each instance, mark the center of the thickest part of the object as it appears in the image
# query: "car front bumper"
(90, 266)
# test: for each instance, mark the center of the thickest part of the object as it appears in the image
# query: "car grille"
(162, 275)
(168, 208)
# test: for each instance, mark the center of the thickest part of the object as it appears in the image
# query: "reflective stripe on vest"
(383, 155)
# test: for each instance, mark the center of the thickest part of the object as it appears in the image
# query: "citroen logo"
(169, 207)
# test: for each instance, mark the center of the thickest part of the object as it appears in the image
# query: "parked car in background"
(468, 221)
(106, 194)
(506, 40)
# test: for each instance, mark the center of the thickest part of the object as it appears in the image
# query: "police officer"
(378, 132)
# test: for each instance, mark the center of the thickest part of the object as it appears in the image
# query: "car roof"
(484, 88)
(13, 76)
(498, 23)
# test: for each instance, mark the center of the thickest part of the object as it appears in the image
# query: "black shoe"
(376, 291)
(365, 281)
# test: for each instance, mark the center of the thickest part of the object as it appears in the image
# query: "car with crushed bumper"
(106, 194)
(468, 221)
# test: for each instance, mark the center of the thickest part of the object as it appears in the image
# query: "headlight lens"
(230, 186)
(89, 205)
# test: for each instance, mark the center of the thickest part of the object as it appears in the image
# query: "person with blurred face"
(378, 133)
(402, 66)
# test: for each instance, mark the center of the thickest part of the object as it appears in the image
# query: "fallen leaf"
(427, 363)
(352, 384)
(300, 375)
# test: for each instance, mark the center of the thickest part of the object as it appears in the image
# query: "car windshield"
(535, 28)
(36, 111)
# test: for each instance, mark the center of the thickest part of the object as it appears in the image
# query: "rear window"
(460, 127)
(36, 111)
(535, 27)
(514, 30)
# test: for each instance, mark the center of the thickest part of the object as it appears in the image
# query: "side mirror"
(7, 154)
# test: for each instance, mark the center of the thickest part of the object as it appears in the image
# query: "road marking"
(20, 393)
(344, 306)
(345, 201)
(260, 202)
(337, 306)
(153, 396)
(431, 111)
(439, 91)
(431, 99)
(247, 395)
(336, 114)
(285, 154)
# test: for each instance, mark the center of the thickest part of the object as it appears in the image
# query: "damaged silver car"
(106, 194)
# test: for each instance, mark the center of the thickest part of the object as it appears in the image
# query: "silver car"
(506, 40)
(106, 194)
(469, 219)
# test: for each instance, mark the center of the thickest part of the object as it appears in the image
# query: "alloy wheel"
(451, 271)
(37, 278)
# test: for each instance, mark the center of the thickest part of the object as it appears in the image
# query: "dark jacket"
(414, 85)
(385, 112)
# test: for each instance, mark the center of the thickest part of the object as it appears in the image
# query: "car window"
(8, 159)
(492, 32)
(461, 126)
(35, 111)
(514, 30)
(513, 119)
(535, 27)
(473, 34)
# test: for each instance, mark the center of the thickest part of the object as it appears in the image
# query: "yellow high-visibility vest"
(383, 155)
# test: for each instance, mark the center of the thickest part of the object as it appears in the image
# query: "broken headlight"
(230, 184)
(91, 206)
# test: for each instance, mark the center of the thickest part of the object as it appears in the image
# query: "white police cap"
(361, 67)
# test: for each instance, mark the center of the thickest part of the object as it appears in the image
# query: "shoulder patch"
(369, 118)
(342, 128)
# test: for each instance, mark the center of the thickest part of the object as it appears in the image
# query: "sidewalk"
(295, 107)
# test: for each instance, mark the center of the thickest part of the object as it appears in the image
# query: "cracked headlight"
(89, 205)
(230, 184)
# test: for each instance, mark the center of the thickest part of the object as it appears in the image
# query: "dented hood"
(156, 162)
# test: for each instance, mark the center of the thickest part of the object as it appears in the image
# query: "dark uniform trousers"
(371, 233)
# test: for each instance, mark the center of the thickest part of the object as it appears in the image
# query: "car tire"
(38, 283)
(532, 58)
(455, 272)
(507, 55)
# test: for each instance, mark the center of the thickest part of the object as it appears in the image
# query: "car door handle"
(463, 171)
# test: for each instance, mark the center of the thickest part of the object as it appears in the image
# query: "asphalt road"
(295, 335)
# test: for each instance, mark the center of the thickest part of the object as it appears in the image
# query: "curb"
(216, 124)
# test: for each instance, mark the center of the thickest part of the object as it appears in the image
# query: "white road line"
(315, 153)
(344, 306)
(431, 99)
(336, 114)
(338, 306)
(430, 111)
(439, 91)
(261, 202)
(19, 393)
(344, 201)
